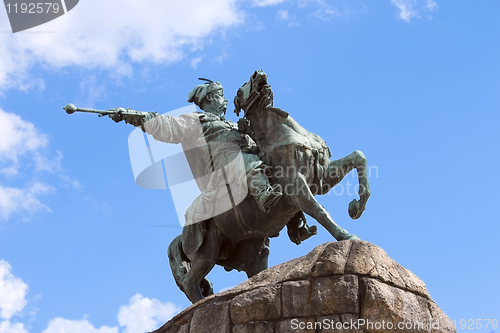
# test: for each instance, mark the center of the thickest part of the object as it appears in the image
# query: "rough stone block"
(441, 323)
(385, 268)
(360, 260)
(385, 307)
(321, 296)
(335, 295)
(254, 327)
(302, 268)
(346, 323)
(296, 325)
(333, 259)
(272, 275)
(212, 317)
(368, 259)
(329, 323)
(413, 283)
(296, 299)
(179, 324)
(184, 328)
(343, 282)
(168, 327)
(259, 304)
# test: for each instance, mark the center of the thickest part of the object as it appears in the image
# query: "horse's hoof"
(354, 209)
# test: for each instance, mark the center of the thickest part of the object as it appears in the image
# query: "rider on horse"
(211, 143)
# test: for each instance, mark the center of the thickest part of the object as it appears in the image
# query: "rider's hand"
(243, 125)
(117, 116)
(132, 117)
(135, 118)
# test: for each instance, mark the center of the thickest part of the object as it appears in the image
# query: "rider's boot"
(268, 196)
(299, 230)
(260, 188)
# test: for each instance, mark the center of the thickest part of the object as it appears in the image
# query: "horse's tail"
(180, 265)
(179, 262)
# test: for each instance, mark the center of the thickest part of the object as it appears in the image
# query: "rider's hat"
(198, 94)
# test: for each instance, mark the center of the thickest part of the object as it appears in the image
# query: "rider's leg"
(299, 230)
(265, 194)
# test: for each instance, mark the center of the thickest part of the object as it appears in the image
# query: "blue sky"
(414, 84)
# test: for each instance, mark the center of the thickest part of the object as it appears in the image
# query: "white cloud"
(13, 199)
(17, 137)
(7, 327)
(194, 62)
(306, 3)
(21, 139)
(285, 17)
(220, 58)
(324, 11)
(282, 15)
(112, 34)
(405, 7)
(265, 3)
(409, 9)
(43, 163)
(431, 5)
(61, 325)
(13, 291)
(90, 92)
(142, 314)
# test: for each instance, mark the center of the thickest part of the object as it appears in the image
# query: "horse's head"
(254, 93)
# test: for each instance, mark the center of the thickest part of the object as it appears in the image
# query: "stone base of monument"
(347, 286)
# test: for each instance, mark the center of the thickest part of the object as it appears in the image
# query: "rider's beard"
(221, 111)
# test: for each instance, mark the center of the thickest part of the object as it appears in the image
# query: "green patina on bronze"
(270, 141)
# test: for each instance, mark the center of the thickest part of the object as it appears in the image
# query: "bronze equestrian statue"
(296, 164)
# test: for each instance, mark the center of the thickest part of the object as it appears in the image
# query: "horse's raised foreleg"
(338, 169)
(202, 262)
(300, 194)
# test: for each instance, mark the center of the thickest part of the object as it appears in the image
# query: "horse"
(297, 160)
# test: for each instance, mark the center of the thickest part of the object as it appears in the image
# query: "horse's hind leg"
(303, 198)
(258, 253)
(338, 169)
(202, 262)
